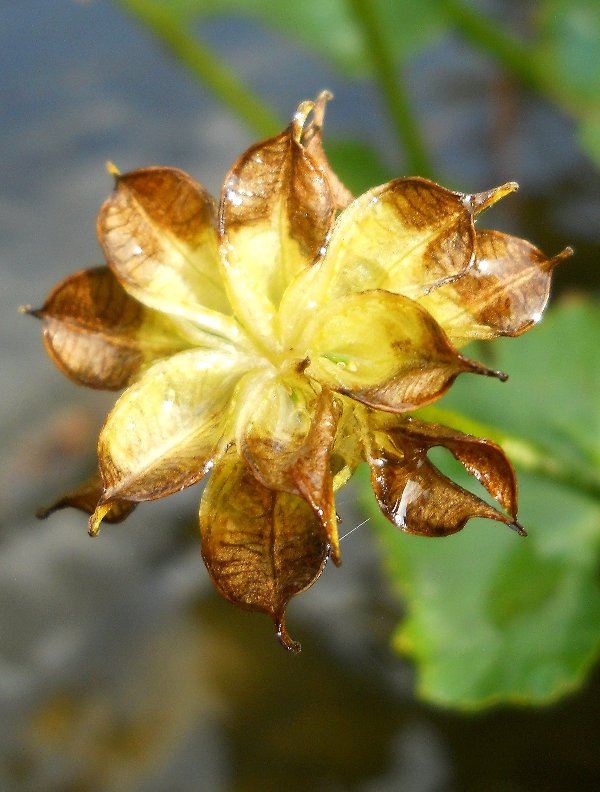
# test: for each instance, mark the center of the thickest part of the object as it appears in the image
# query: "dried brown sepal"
(85, 498)
(503, 293)
(99, 336)
(480, 457)
(476, 203)
(312, 139)
(414, 495)
(302, 465)
(260, 547)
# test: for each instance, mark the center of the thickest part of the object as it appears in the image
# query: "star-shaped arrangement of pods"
(280, 338)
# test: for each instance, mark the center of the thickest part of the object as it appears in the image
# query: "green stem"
(391, 85)
(486, 35)
(524, 454)
(206, 67)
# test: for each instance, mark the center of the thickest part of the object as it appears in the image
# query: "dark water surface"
(120, 669)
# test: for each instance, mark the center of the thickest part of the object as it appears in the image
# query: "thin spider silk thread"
(356, 527)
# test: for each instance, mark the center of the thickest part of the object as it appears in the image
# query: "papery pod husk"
(289, 454)
(98, 335)
(482, 458)
(275, 213)
(312, 140)
(384, 350)
(162, 435)
(405, 236)
(261, 547)
(504, 292)
(416, 497)
(409, 236)
(158, 233)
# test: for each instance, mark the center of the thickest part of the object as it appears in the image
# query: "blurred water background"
(120, 668)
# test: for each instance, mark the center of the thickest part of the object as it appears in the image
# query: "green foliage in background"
(490, 617)
(327, 28)
(368, 38)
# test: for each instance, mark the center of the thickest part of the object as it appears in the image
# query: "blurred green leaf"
(552, 396)
(492, 617)
(560, 60)
(567, 49)
(357, 164)
(589, 135)
(326, 26)
(567, 53)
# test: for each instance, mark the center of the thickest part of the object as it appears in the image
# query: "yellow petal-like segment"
(504, 292)
(384, 350)
(276, 210)
(99, 336)
(261, 547)
(162, 434)
(403, 236)
(158, 233)
(287, 440)
(347, 451)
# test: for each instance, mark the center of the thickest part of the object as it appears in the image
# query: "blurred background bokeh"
(120, 668)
